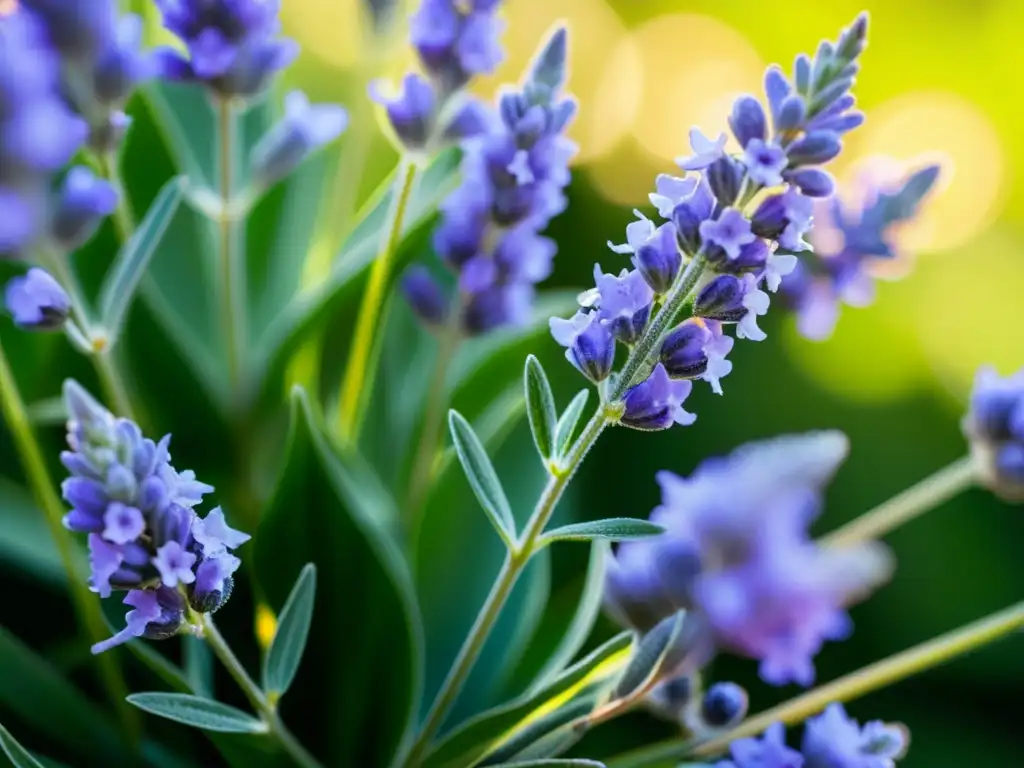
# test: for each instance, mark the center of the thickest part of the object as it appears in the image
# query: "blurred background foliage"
(937, 84)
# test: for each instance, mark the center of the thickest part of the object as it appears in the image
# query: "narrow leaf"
(587, 611)
(201, 713)
(468, 742)
(540, 407)
(16, 753)
(537, 733)
(566, 427)
(482, 477)
(282, 659)
(611, 529)
(127, 271)
(650, 654)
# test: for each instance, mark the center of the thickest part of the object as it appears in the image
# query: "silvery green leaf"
(650, 655)
(17, 754)
(536, 738)
(285, 652)
(125, 274)
(570, 417)
(587, 610)
(611, 529)
(540, 407)
(470, 741)
(198, 712)
(482, 477)
(554, 763)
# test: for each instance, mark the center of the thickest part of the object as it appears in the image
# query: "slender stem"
(642, 350)
(905, 506)
(360, 370)
(124, 219)
(86, 606)
(253, 693)
(437, 398)
(514, 564)
(111, 381)
(230, 269)
(872, 677)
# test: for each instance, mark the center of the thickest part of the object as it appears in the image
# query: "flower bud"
(723, 705)
(36, 301)
(724, 176)
(659, 260)
(813, 182)
(814, 148)
(721, 299)
(424, 295)
(791, 114)
(85, 200)
(690, 213)
(411, 113)
(670, 698)
(657, 403)
(765, 162)
(304, 129)
(748, 120)
(682, 351)
(590, 346)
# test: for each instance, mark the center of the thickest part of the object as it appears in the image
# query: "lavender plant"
(203, 293)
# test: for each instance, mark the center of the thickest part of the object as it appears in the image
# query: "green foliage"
(17, 754)
(540, 407)
(206, 714)
(285, 652)
(612, 529)
(482, 477)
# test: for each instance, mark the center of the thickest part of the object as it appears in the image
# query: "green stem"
(360, 370)
(232, 317)
(424, 462)
(513, 566)
(911, 503)
(123, 218)
(872, 677)
(86, 606)
(642, 350)
(253, 693)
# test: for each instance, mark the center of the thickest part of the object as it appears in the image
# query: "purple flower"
(625, 303)
(736, 554)
(717, 350)
(638, 234)
(156, 614)
(682, 351)
(730, 232)
(36, 301)
(85, 200)
(303, 130)
(748, 121)
(412, 112)
(657, 402)
(670, 191)
(690, 214)
(994, 426)
(786, 218)
(770, 751)
(765, 162)
(513, 176)
(144, 535)
(731, 299)
(835, 740)
(705, 151)
(589, 345)
(455, 42)
(424, 295)
(233, 45)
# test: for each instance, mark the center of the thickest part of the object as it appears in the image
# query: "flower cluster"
(513, 176)
(454, 41)
(710, 248)
(103, 62)
(144, 535)
(737, 555)
(830, 740)
(233, 46)
(842, 273)
(994, 424)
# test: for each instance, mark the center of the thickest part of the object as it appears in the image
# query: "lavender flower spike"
(144, 535)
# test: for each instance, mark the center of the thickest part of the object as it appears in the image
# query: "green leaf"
(25, 540)
(45, 699)
(133, 260)
(16, 753)
(482, 477)
(493, 425)
(198, 712)
(587, 610)
(285, 652)
(650, 654)
(332, 510)
(473, 739)
(540, 407)
(533, 739)
(312, 308)
(566, 427)
(48, 412)
(610, 529)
